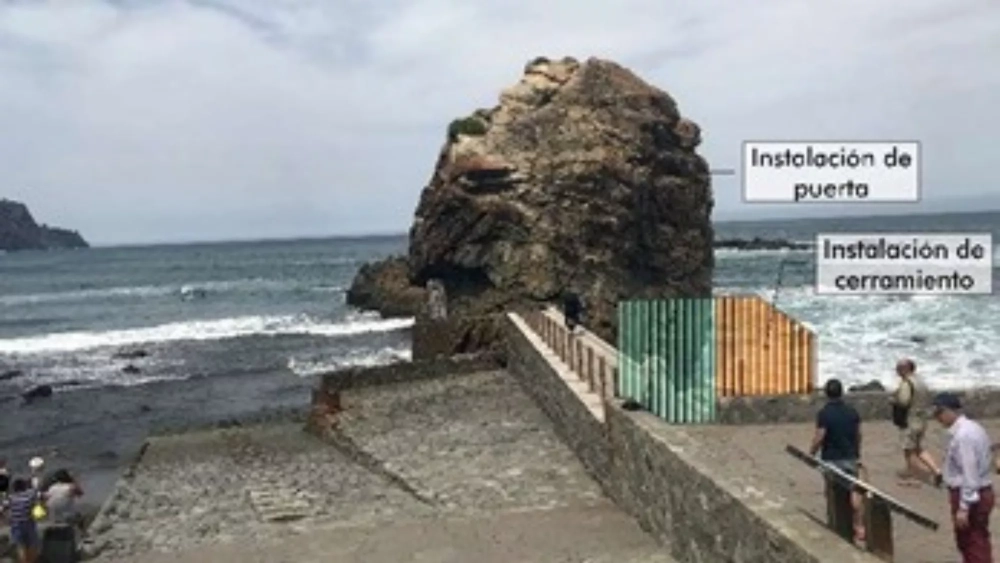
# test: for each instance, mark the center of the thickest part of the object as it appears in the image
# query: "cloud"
(168, 120)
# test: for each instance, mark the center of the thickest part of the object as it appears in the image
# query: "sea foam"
(217, 329)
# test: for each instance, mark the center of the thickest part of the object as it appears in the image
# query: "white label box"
(831, 171)
(904, 264)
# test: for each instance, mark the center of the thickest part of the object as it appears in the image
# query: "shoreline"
(97, 433)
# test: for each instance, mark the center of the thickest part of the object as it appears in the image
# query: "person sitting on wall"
(837, 441)
(572, 311)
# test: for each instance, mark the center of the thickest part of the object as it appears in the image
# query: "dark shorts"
(851, 467)
(25, 534)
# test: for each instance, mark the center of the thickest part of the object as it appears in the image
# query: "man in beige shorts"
(910, 406)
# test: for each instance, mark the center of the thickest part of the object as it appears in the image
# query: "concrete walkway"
(756, 454)
(463, 468)
(594, 534)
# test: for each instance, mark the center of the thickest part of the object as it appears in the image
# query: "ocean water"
(230, 329)
(196, 309)
(227, 330)
(955, 340)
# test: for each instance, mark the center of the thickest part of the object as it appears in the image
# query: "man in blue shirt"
(838, 442)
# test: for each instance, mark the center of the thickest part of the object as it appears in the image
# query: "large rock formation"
(19, 231)
(583, 178)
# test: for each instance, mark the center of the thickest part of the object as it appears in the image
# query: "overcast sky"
(147, 120)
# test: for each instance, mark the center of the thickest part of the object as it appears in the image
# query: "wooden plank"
(894, 504)
(810, 375)
(720, 346)
(784, 359)
(804, 357)
(878, 528)
(752, 329)
(839, 512)
(739, 348)
(746, 354)
(778, 370)
(726, 349)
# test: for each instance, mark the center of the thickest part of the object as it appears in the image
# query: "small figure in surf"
(910, 409)
(190, 292)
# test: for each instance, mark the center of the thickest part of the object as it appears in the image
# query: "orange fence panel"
(761, 350)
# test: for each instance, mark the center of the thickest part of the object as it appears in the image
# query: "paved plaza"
(458, 469)
(757, 454)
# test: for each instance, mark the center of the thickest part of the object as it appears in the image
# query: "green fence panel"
(624, 335)
(673, 362)
(666, 357)
(706, 353)
(628, 342)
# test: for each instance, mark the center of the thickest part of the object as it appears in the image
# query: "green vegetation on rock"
(537, 61)
(466, 126)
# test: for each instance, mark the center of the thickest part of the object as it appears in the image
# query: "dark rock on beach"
(758, 243)
(584, 178)
(872, 385)
(127, 354)
(385, 287)
(37, 392)
(131, 370)
(10, 374)
(19, 231)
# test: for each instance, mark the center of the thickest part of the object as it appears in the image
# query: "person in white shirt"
(61, 497)
(909, 414)
(968, 466)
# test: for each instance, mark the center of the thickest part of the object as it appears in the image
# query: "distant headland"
(19, 231)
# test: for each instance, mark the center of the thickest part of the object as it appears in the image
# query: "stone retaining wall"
(573, 421)
(652, 471)
(327, 394)
(871, 405)
(442, 338)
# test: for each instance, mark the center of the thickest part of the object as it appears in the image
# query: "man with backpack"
(910, 404)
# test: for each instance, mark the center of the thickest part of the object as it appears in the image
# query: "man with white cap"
(968, 465)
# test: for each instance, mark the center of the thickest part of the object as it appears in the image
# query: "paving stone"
(474, 449)
(757, 453)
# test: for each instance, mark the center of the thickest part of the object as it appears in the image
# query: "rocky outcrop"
(758, 243)
(385, 287)
(873, 385)
(19, 231)
(584, 178)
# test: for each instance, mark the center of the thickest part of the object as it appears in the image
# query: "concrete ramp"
(461, 468)
(595, 534)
